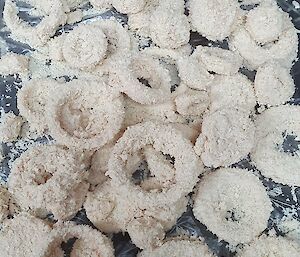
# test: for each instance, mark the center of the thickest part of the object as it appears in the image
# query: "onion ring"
(179, 248)
(273, 85)
(227, 137)
(90, 242)
(77, 117)
(283, 50)
(164, 139)
(101, 4)
(145, 80)
(24, 235)
(228, 211)
(215, 19)
(169, 27)
(110, 213)
(81, 49)
(4, 203)
(270, 246)
(48, 179)
(218, 60)
(31, 101)
(35, 36)
(234, 91)
(274, 126)
(265, 23)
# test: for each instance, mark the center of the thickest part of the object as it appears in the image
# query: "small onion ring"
(268, 155)
(227, 137)
(223, 204)
(129, 6)
(48, 179)
(39, 35)
(85, 114)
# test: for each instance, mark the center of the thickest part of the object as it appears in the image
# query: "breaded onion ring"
(227, 137)
(179, 248)
(234, 91)
(10, 127)
(276, 152)
(270, 246)
(85, 46)
(48, 179)
(214, 19)
(144, 80)
(85, 114)
(164, 139)
(112, 213)
(169, 27)
(4, 203)
(89, 242)
(35, 36)
(24, 235)
(12, 63)
(223, 204)
(283, 49)
(31, 100)
(273, 84)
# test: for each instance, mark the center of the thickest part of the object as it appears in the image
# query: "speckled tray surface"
(285, 199)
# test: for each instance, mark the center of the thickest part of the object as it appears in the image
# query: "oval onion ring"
(227, 137)
(129, 6)
(273, 84)
(223, 204)
(40, 184)
(31, 100)
(35, 36)
(214, 19)
(166, 140)
(274, 126)
(85, 114)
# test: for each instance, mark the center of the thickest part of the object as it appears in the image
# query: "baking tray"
(285, 199)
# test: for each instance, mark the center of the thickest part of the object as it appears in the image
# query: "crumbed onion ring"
(218, 60)
(145, 80)
(214, 19)
(35, 36)
(89, 242)
(272, 156)
(40, 184)
(265, 23)
(283, 49)
(169, 27)
(12, 63)
(270, 246)
(85, 46)
(223, 204)
(227, 137)
(85, 114)
(111, 213)
(129, 6)
(24, 235)
(273, 84)
(31, 100)
(234, 91)
(165, 139)
(179, 248)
